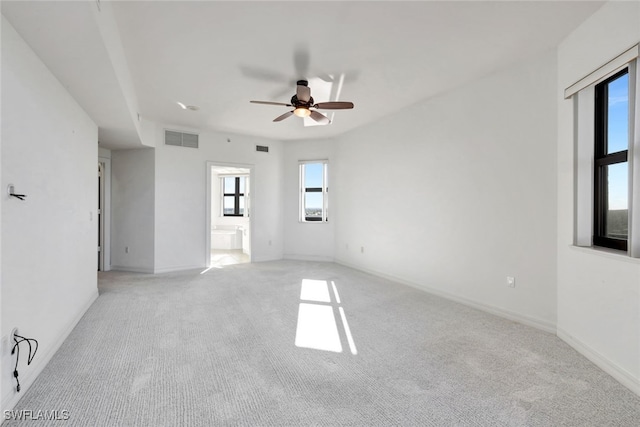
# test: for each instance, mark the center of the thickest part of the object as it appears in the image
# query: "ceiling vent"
(180, 139)
(263, 148)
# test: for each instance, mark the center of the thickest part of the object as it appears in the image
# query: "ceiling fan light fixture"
(302, 112)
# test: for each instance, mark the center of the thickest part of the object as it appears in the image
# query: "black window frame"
(602, 161)
(236, 196)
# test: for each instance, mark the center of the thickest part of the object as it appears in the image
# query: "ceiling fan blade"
(339, 105)
(284, 116)
(271, 103)
(320, 118)
(263, 74)
(303, 93)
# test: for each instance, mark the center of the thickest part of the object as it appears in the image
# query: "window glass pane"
(618, 115)
(313, 205)
(242, 184)
(241, 201)
(229, 184)
(617, 207)
(313, 175)
(228, 205)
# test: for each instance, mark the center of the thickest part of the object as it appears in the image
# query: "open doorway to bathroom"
(229, 216)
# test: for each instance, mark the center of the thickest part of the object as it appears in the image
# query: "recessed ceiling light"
(187, 107)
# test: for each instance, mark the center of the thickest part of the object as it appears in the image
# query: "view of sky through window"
(313, 175)
(313, 179)
(618, 140)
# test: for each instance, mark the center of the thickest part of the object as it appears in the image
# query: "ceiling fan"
(302, 102)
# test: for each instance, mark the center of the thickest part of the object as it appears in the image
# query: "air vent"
(263, 148)
(180, 139)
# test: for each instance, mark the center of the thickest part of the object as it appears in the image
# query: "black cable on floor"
(16, 349)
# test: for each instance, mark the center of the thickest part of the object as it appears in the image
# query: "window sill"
(606, 252)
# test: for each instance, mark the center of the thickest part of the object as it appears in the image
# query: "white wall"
(132, 210)
(180, 186)
(307, 240)
(598, 293)
(456, 193)
(49, 241)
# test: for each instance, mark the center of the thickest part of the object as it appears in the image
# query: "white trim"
(227, 175)
(617, 372)
(267, 258)
(300, 162)
(301, 257)
(106, 244)
(606, 253)
(179, 268)
(534, 322)
(10, 400)
(132, 269)
(584, 111)
(301, 190)
(634, 160)
(603, 72)
(249, 189)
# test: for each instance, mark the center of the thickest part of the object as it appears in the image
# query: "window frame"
(236, 196)
(302, 217)
(602, 161)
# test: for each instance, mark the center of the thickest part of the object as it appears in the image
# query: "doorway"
(103, 214)
(229, 214)
(101, 167)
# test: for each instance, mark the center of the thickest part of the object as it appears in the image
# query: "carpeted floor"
(219, 348)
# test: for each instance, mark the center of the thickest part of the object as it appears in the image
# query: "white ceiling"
(220, 55)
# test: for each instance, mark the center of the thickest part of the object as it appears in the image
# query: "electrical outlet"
(361, 249)
(126, 249)
(511, 282)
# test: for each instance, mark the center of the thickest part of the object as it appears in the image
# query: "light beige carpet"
(267, 344)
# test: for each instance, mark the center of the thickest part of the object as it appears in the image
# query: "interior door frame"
(210, 165)
(105, 216)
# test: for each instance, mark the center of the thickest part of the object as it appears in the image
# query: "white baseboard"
(178, 268)
(299, 257)
(617, 372)
(10, 400)
(132, 269)
(516, 317)
(264, 258)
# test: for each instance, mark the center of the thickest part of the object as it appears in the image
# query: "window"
(611, 167)
(233, 195)
(606, 105)
(313, 191)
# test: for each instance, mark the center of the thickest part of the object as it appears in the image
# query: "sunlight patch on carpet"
(317, 328)
(317, 325)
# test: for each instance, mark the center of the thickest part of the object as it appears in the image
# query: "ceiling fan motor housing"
(297, 103)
